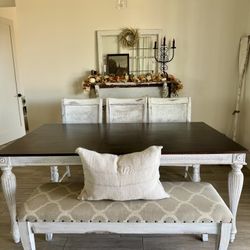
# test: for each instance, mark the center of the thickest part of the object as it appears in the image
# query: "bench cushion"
(189, 202)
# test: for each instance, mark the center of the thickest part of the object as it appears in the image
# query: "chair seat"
(189, 203)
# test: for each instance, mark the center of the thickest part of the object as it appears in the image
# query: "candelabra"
(162, 56)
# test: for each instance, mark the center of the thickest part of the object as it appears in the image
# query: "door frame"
(18, 86)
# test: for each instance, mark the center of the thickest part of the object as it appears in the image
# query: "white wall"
(8, 12)
(57, 48)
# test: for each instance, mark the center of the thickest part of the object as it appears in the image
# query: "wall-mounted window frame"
(141, 57)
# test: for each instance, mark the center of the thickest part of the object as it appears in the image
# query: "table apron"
(166, 160)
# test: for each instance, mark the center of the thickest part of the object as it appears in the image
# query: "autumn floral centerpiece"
(154, 79)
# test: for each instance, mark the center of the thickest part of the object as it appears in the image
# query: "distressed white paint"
(235, 178)
(206, 159)
(224, 236)
(126, 110)
(78, 111)
(166, 160)
(134, 92)
(169, 109)
(8, 180)
(82, 110)
(172, 110)
(28, 229)
(123, 228)
(27, 236)
(235, 184)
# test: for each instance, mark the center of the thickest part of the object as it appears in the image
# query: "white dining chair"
(126, 110)
(169, 109)
(82, 110)
(78, 111)
(173, 110)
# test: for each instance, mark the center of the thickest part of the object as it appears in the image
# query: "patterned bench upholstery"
(194, 208)
(189, 203)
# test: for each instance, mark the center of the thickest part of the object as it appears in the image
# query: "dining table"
(184, 143)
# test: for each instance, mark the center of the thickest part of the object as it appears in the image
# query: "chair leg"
(68, 171)
(27, 236)
(54, 174)
(196, 173)
(224, 237)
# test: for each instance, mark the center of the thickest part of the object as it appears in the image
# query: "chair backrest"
(82, 110)
(169, 109)
(127, 110)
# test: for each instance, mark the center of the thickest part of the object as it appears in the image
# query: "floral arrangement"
(150, 79)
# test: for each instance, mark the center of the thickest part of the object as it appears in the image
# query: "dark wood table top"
(176, 138)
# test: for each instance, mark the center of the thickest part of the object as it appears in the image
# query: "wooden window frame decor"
(109, 42)
(118, 69)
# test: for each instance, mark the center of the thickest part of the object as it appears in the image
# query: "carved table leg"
(235, 184)
(9, 190)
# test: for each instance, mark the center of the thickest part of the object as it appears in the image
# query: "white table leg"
(9, 190)
(235, 184)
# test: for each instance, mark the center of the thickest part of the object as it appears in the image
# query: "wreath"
(129, 37)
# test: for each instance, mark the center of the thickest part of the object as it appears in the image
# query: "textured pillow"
(125, 177)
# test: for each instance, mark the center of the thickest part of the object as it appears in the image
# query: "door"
(11, 114)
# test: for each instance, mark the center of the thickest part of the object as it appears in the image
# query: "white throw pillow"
(125, 177)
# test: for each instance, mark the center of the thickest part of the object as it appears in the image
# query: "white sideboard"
(126, 92)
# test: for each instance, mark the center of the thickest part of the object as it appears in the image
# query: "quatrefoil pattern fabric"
(189, 202)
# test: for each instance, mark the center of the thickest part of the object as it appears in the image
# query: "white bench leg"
(224, 237)
(54, 174)
(196, 173)
(27, 236)
(204, 237)
(48, 236)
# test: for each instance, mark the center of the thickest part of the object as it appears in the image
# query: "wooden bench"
(194, 208)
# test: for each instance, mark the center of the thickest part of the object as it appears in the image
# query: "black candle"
(155, 45)
(173, 43)
(164, 41)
